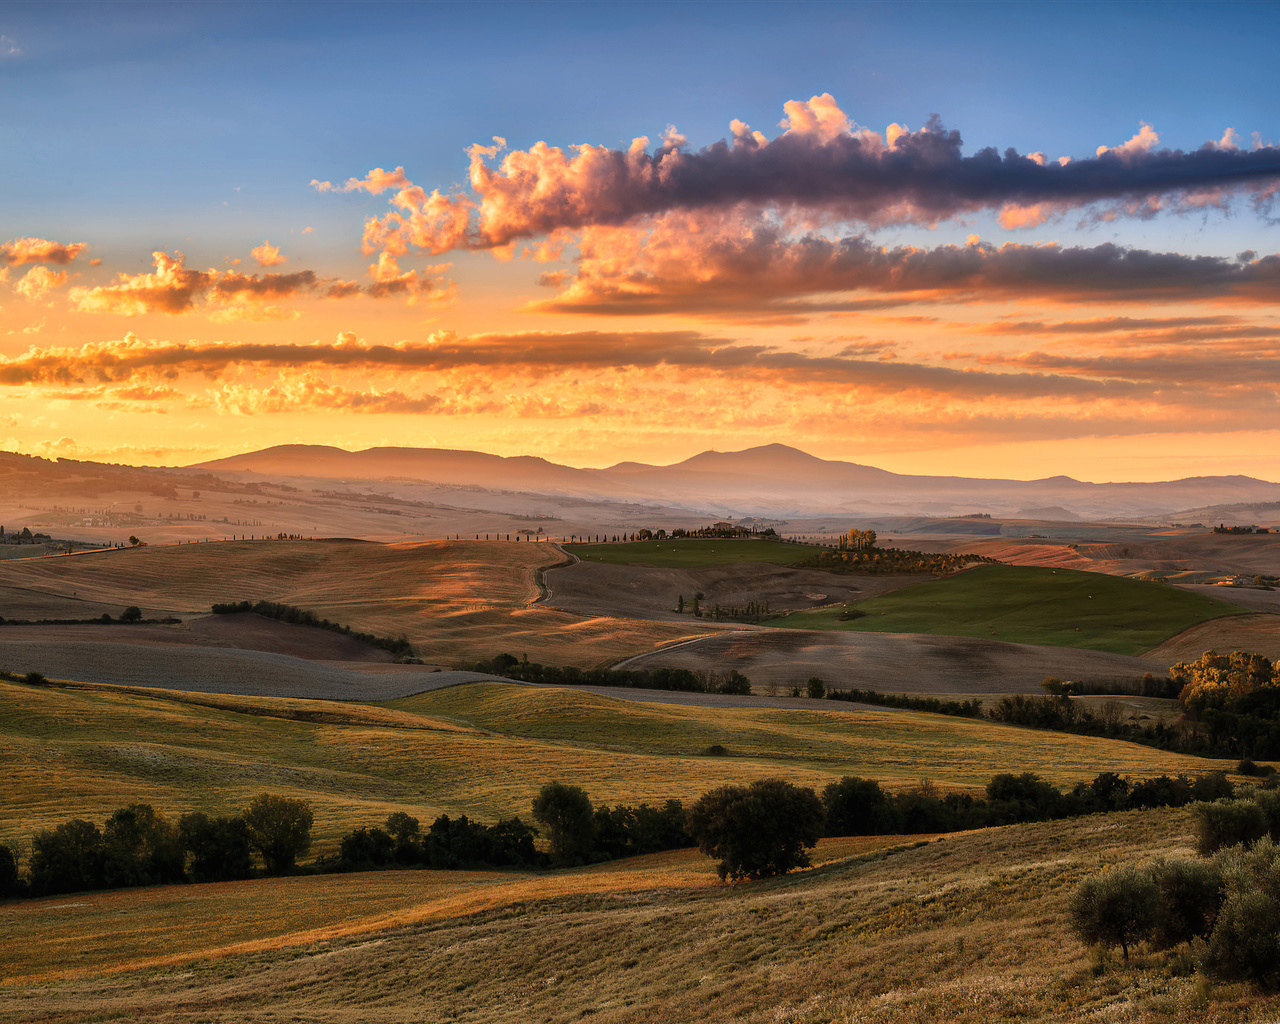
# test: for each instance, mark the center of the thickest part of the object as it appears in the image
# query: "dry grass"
(969, 928)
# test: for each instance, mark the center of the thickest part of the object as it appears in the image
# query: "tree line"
(678, 679)
(754, 830)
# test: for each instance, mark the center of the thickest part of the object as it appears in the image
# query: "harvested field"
(1253, 598)
(454, 600)
(1257, 633)
(895, 662)
(595, 588)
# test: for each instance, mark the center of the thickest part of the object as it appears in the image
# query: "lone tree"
(279, 829)
(567, 813)
(1118, 908)
(758, 830)
(131, 614)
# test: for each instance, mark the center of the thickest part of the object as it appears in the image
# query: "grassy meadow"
(968, 928)
(694, 552)
(483, 750)
(1029, 605)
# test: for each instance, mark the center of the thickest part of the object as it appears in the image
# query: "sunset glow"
(627, 232)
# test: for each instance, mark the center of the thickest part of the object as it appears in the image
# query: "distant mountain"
(773, 480)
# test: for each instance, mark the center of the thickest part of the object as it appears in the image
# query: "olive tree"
(1120, 907)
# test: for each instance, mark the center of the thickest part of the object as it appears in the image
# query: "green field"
(1029, 605)
(694, 553)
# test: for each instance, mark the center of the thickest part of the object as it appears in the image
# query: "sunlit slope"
(481, 750)
(966, 928)
(1029, 605)
(454, 600)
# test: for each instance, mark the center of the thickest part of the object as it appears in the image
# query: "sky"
(1003, 240)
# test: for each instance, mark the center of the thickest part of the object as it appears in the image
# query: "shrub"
(759, 830)
(279, 829)
(34, 679)
(566, 812)
(1228, 823)
(1190, 898)
(1118, 908)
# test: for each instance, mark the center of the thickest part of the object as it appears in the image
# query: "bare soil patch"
(594, 588)
(1257, 633)
(897, 662)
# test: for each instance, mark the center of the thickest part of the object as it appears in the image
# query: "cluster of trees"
(752, 611)
(861, 807)
(1224, 528)
(1226, 909)
(579, 833)
(1231, 705)
(449, 843)
(138, 846)
(401, 648)
(1240, 682)
(857, 540)
(681, 679)
(872, 561)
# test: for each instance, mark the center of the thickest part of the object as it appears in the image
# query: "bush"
(219, 847)
(759, 830)
(1228, 823)
(566, 812)
(279, 829)
(34, 679)
(1118, 908)
(1190, 898)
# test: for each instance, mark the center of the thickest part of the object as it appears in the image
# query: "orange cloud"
(174, 288)
(267, 255)
(39, 250)
(38, 281)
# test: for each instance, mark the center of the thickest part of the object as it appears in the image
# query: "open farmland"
(969, 928)
(1020, 604)
(453, 600)
(482, 750)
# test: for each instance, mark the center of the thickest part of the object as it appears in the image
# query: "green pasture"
(694, 553)
(1029, 605)
(483, 750)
